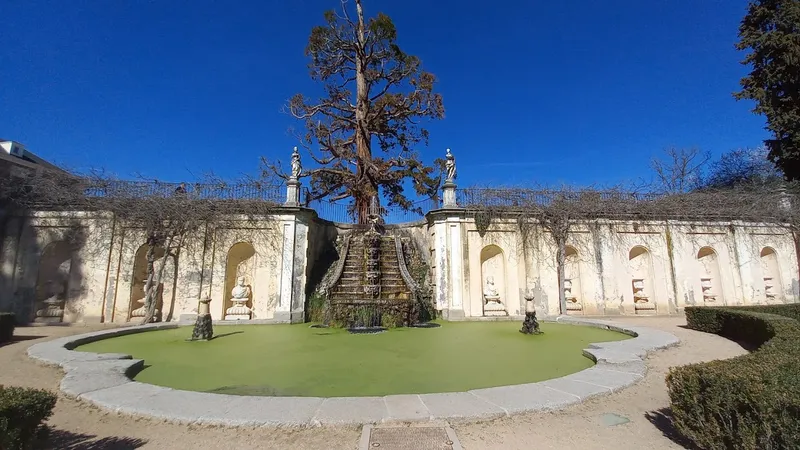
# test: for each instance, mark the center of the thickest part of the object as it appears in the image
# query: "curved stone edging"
(104, 380)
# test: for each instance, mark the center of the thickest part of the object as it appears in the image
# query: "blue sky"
(547, 92)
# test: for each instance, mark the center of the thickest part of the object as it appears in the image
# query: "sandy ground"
(79, 426)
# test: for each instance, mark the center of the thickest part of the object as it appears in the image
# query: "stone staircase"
(351, 305)
(350, 286)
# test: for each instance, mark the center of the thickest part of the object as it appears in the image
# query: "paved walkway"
(77, 424)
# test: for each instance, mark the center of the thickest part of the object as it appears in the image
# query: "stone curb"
(105, 380)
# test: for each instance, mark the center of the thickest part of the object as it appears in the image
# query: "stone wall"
(613, 267)
(94, 263)
(107, 264)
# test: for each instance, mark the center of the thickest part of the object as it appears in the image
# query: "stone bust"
(450, 167)
(296, 167)
(241, 291)
(490, 291)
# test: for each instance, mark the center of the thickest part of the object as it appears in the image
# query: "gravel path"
(80, 426)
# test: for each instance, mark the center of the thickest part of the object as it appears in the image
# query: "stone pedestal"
(51, 313)
(453, 315)
(289, 317)
(203, 329)
(494, 307)
(449, 195)
(292, 192)
(141, 311)
(530, 325)
(239, 310)
(644, 306)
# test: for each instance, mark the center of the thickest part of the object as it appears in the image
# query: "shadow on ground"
(745, 345)
(67, 440)
(18, 338)
(663, 420)
(217, 336)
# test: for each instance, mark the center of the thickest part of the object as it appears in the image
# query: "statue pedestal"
(292, 192)
(494, 307)
(573, 304)
(51, 313)
(142, 311)
(449, 195)
(239, 310)
(644, 306)
(203, 329)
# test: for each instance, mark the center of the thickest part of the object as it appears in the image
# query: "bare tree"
(681, 170)
(743, 166)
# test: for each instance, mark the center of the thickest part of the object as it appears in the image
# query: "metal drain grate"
(409, 438)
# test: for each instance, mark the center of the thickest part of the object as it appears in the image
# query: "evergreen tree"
(375, 96)
(771, 32)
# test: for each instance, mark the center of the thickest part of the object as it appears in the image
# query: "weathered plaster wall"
(102, 278)
(603, 251)
(291, 251)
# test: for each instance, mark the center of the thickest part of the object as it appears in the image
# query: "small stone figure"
(203, 330)
(530, 325)
(489, 291)
(492, 306)
(450, 167)
(53, 305)
(297, 168)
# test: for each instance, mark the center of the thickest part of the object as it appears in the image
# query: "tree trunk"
(365, 185)
(155, 280)
(560, 263)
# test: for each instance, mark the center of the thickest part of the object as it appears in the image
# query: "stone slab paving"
(105, 380)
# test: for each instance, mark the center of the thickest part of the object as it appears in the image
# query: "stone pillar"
(455, 309)
(449, 195)
(441, 272)
(749, 267)
(292, 192)
(291, 303)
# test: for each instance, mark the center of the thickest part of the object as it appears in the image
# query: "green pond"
(296, 360)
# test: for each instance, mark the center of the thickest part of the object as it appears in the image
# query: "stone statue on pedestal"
(489, 291)
(450, 167)
(240, 295)
(492, 304)
(297, 168)
(54, 304)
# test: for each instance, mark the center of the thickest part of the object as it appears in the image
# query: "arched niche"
(53, 281)
(572, 280)
(640, 269)
(137, 309)
(493, 276)
(240, 263)
(773, 287)
(710, 282)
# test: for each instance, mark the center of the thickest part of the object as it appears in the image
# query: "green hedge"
(22, 415)
(748, 402)
(7, 324)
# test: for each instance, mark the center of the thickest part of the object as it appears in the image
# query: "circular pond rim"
(104, 380)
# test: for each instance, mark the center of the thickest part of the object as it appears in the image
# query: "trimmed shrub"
(22, 415)
(748, 402)
(7, 324)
